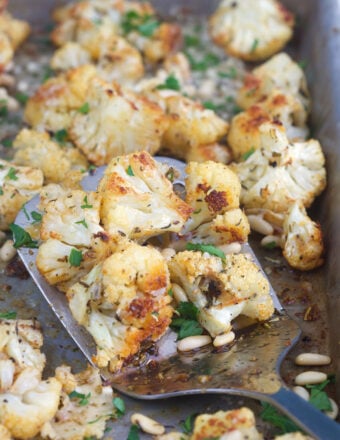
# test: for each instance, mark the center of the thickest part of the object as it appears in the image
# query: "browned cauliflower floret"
(17, 186)
(69, 56)
(203, 153)
(280, 173)
(222, 289)
(281, 73)
(190, 125)
(55, 102)
(251, 30)
(235, 424)
(138, 200)
(303, 245)
(84, 408)
(245, 135)
(16, 30)
(5, 433)
(29, 403)
(39, 150)
(117, 122)
(123, 302)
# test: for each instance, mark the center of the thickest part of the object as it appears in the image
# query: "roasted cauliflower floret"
(16, 30)
(303, 245)
(190, 125)
(53, 105)
(280, 173)
(20, 342)
(278, 109)
(17, 186)
(85, 406)
(240, 423)
(222, 289)
(5, 433)
(214, 152)
(70, 56)
(124, 302)
(281, 73)
(39, 150)
(138, 200)
(117, 122)
(251, 30)
(29, 403)
(211, 189)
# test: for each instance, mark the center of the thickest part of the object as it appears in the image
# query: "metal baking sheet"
(317, 40)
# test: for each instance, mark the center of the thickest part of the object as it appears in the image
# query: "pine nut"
(168, 253)
(179, 294)
(310, 378)
(268, 239)
(146, 424)
(231, 248)
(259, 225)
(302, 392)
(225, 338)
(312, 359)
(192, 342)
(333, 414)
(7, 251)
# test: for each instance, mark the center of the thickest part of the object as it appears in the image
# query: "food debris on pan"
(119, 86)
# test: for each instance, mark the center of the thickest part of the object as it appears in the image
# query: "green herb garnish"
(231, 74)
(22, 238)
(86, 204)
(170, 83)
(272, 415)
(208, 60)
(75, 257)
(171, 292)
(247, 154)
(21, 97)
(7, 143)
(186, 324)
(82, 222)
(302, 64)
(254, 45)
(209, 248)
(119, 405)
(143, 24)
(133, 433)
(318, 398)
(48, 73)
(61, 136)
(191, 41)
(1, 191)
(83, 398)
(84, 109)
(8, 315)
(3, 108)
(36, 216)
(25, 212)
(129, 171)
(270, 245)
(188, 424)
(12, 174)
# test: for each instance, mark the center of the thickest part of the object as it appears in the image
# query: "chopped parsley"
(1, 191)
(84, 109)
(231, 73)
(191, 41)
(186, 323)
(75, 257)
(254, 45)
(270, 414)
(247, 154)
(3, 108)
(209, 248)
(208, 60)
(119, 405)
(144, 24)
(319, 398)
(7, 143)
(133, 433)
(129, 171)
(12, 174)
(302, 64)
(171, 292)
(21, 237)
(48, 73)
(21, 97)
(8, 315)
(83, 398)
(188, 424)
(270, 245)
(61, 136)
(170, 83)
(86, 204)
(36, 216)
(82, 222)
(25, 212)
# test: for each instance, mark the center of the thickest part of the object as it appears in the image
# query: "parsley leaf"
(187, 310)
(12, 174)
(254, 45)
(191, 41)
(188, 424)
(208, 60)
(75, 257)
(133, 433)
(186, 325)
(231, 74)
(3, 108)
(36, 216)
(170, 83)
(302, 64)
(86, 204)
(1, 191)
(247, 154)
(61, 136)
(129, 171)
(209, 248)
(21, 237)
(8, 315)
(119, 405)
(144, 24)
(270, 245)
(84, 109)
(319, 398)
(21, 97)
(272, 415)
(7, 143)
(82, 222)
(83, 398)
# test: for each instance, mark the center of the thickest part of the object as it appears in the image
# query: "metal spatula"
(250, 367)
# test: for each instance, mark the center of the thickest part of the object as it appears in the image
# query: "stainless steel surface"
(317, 41)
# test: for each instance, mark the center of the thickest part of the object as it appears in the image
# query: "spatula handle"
(310, 419)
